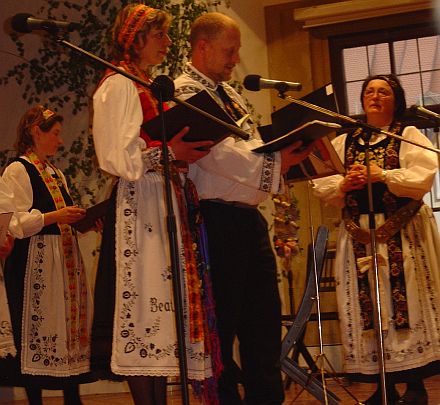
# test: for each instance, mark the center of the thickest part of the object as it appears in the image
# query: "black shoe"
(376, 398)
(412, 397)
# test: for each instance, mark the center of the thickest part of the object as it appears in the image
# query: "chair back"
(315, 260)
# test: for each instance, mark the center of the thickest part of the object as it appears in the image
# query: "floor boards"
(361, 391)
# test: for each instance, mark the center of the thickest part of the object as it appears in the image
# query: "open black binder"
(200, 127)
(294, 115)
(307, 133)
(296, 122)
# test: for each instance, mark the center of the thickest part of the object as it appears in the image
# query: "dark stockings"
(34, 395)
(376, 398)
(148, 390)
(71, 395)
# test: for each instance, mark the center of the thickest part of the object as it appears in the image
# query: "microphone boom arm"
(358, 123)
(237, 131)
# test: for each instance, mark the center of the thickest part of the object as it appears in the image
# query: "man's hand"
(291, 158)
(189, 151)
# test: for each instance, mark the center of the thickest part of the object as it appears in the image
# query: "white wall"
(250, 16)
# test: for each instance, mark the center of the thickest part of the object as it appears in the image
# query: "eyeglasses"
(161, 35)
(381, 93)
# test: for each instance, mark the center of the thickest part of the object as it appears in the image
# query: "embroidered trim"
(127, 295)
(267, 172)
(152, 158)
(193, 74)
(44, 352)
(390, 227)
(385, 154)
(67, 240)
(187, 89)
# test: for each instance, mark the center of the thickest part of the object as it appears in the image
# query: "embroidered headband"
(133, 24)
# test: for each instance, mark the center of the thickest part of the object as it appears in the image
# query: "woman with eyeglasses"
(134, 332)
(408, 247)
(45, 279)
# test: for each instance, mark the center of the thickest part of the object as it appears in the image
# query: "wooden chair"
(327, 284)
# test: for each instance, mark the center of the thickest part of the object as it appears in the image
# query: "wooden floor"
(360, 391)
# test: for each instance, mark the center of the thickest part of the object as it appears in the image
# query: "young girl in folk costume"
(45, 278)
(134, 333)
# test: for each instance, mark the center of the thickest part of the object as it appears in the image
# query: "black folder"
(93, 213)
(294, 115)
(307, 133)
(297, 122)
(201, 128)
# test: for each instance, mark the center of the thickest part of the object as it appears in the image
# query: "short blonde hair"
(209, 25)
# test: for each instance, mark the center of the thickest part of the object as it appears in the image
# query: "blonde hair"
(209, 25)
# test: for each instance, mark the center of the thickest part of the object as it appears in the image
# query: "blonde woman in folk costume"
(134, 334)
(45, 279)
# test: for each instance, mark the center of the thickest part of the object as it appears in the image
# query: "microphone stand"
(369, 130)
(162, 92)
(163, 89)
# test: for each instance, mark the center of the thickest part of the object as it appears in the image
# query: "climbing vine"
(61, 77)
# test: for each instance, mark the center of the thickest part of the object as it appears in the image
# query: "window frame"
(338, 43)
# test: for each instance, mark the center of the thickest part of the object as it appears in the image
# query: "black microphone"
(256, 83)
(163, 88)
(24, 23)
(424, 113)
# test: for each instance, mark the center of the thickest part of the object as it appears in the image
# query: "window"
(415, 61)
(411, 52)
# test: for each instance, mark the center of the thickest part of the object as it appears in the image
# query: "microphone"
(163, 88)
(25, 23)
(256, 83)
(424, 113)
